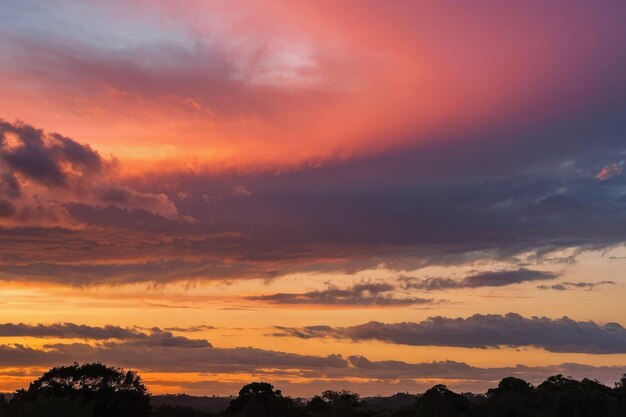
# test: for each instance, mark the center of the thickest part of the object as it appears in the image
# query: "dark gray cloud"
(66, 330)
(20, 355)
(484, 331)
(42, 175)
(162, 338)
(155, 336)
(565, 286)
(9, 185)
(308, 332)
(363, 294)
(29, 152)
(483, 279)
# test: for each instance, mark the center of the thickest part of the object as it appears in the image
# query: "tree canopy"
(259, 399)
(95, 390)
(83, 390)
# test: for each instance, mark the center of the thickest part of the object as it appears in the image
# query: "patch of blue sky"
(99, 26)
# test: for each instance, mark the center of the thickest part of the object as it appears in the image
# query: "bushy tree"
(83, 390)
(259, 399)
(439, 401)
(335, 404)
(620, 394)
(513, 397)
(561, 396)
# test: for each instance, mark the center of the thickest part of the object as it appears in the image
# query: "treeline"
(95, 390)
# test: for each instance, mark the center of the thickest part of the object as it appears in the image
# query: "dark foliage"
(439, 401)
(335, 404)
(99, 391)
(83, 391)
(563, 396)
(211, 404)
(179, 411)
(259, 399)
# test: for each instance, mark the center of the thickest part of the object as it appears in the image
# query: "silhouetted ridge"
(95, 390)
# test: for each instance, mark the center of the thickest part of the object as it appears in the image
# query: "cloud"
(219, 65)
(483, 279)
(66, 330)
(173, 358)
(272, 365)
(296, 222)
(363, 294)
(155, 337)
(399, 211)
(161, 338)
(565, 286)
(20, 355)
(512, 172)
(190, 329)
(42, 175)
(479, 331)
(608, 171)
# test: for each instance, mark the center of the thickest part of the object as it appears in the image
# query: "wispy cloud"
(567, 285)
(482, 279)
(608, 171)
(363, 294)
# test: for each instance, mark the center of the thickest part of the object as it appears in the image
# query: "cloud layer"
(272, 365)
(133, 337)
(359, 215)
(562, 335)
(292, 149)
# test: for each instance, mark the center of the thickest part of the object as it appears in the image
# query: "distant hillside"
(218, 404)
(392, 403)
(205, 403)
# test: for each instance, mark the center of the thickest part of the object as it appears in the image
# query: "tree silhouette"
(439, 401)
(513, 397)
(259, 399)
(563, 396)
(94, 390)
(335, 403)
(83, 390)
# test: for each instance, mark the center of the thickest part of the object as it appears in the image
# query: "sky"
(318, 194)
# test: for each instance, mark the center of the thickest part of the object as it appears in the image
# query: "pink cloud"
(608, 171)
(305, 82)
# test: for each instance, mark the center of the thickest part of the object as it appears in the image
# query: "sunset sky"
(376, 196)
